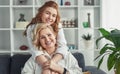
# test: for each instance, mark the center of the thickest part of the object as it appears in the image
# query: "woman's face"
(49, 15)
(47, 39)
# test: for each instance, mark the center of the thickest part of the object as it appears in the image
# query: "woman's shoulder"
(31, 61)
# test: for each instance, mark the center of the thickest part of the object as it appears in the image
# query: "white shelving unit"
(12, 38)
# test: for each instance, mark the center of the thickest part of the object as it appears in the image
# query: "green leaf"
(100, 62)
(98, 40)
(98, 57)
(104, 32)
(103, 50)
(112, 49)
(116, 39)
(111, 61)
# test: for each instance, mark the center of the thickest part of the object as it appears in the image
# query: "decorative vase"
(61, 3)
(85, 24)
(89, 25)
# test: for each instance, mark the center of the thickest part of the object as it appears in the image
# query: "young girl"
(48, 13)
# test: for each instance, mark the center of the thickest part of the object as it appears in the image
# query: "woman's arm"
(62, 46)
(70, 66)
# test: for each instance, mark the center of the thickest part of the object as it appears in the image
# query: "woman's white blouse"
(62, 44)
(70, 63)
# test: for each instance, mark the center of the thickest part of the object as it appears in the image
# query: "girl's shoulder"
(60, 26)
(31, 27)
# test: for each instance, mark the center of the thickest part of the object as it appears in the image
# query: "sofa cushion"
(80, 59)
(17, 63)
(4, 64)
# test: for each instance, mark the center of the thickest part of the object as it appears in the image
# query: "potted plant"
(112, 49)
(87, 37)
(87, 41)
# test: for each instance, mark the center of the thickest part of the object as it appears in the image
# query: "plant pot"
(88, 44)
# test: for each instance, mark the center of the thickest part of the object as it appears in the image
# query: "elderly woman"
(45, 38)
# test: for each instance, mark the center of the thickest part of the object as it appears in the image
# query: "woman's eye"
(49, 34)
(42, 37)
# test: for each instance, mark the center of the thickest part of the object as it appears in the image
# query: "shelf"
(5, 51)
(22, 6)
(71, 6)
(11, 38)
(4, 17)
(27, 12)
(5, 29)
(94, 6)
(5, 40)
(25, 2)
(19, 29)
(4, 6)
(70, 28)
(19, 39)
(4, 2)
(21, 51)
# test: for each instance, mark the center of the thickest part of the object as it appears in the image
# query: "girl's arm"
(36, 54)
(62, 46)
(70, 65)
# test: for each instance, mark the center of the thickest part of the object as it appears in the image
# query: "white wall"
(110, 20)
(111, 14)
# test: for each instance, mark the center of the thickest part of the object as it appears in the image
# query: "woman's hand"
(48, 71)
(53, 66)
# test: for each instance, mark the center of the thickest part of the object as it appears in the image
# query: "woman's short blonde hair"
(36, 34)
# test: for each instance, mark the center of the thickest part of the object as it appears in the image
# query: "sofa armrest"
(81, 62)
(94, 70)
(80, 59)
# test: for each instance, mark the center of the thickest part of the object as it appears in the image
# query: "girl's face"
(47, 39)
(49, 15)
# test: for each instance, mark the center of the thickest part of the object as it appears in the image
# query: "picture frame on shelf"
(21, 2)
(88, 2)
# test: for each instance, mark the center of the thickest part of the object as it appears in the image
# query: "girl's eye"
(54, 15)
(47, 13)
